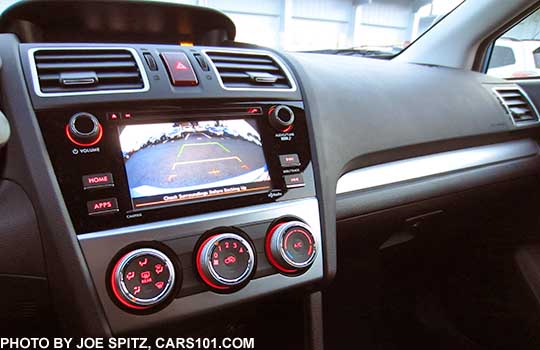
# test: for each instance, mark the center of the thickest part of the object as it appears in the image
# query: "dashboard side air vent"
(517, 104)
(74, 71)
(250, 70)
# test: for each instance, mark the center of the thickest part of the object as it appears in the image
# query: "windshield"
(365, 27)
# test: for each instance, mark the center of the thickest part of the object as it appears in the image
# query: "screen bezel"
(167, 204)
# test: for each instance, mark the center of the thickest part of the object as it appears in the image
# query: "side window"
(516, 54)
(537, 58)
(502, 56)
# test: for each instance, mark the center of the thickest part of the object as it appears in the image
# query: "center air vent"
(249, 70)
(83, 71)
(518, 105)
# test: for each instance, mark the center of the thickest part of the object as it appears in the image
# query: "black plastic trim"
(74, 296)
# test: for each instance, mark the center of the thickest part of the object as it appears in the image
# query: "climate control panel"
(145, 276)
(224, 260)
(155, 273)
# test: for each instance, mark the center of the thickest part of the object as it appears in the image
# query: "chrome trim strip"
(525, 95)
(35, 78)
(5, 130)
(195, 219)
(252, 52)
(435, 164)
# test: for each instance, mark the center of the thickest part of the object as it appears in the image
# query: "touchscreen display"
(172, 163)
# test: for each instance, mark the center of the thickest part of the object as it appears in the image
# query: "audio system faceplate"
(121, 166)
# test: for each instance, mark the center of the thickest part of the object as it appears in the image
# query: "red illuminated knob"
(225, 261)
(290, 247)
(84, 130)
(281, 117)
(142, 278)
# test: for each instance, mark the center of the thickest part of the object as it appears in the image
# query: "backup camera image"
(175, 162)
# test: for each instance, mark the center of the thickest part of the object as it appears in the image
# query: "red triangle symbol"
(180, 66)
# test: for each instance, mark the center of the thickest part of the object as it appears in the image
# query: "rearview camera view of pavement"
(171, 162)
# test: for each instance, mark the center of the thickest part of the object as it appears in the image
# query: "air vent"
(242, 70)
(518, 105)
(85, 71)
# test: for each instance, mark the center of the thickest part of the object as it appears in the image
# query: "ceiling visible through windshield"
(385, 26)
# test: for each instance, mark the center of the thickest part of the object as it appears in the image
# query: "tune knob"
(225, 261)
(84, 130)
(281, 117)
(143, 279)
(290, 247)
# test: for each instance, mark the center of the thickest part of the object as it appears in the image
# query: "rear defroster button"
(102, 206)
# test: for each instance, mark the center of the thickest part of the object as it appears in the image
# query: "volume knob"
(84, 130)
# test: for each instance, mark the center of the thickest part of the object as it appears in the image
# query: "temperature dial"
(225, 261)
(290, 247)
(143, 278)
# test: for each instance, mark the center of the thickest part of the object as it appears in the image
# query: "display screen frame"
(177, 197)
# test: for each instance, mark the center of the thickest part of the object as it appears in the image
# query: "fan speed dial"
(225, 261)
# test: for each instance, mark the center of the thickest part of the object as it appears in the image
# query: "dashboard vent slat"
(73, 70)
(82, 57)
(84, 65)
(518, 105)
(250, 70)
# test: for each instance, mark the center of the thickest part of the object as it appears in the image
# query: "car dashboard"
(147, 183)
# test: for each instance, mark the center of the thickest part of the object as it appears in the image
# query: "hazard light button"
(102, 206)
(180, 69)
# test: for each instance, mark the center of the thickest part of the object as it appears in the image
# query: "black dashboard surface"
(116, 21)
(366, 111)
(359, 112)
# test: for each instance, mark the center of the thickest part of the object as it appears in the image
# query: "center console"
(185, 206)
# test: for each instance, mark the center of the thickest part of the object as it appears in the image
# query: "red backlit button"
(113, 116)
(102, 206)
(231, 259)
(289, 160)
(97, 181)
(180, 69)
(146, 277)
(294, 180)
